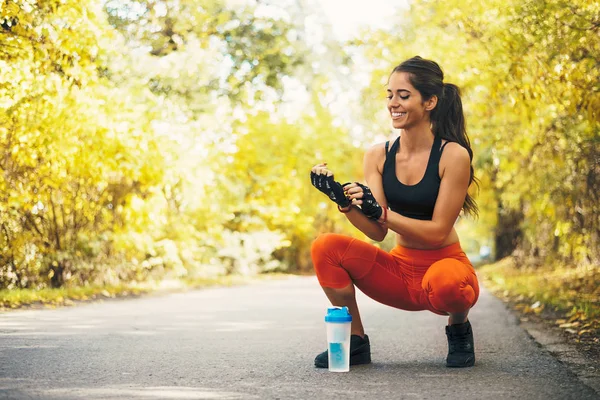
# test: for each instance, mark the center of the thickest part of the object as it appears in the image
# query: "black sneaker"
(461, 352)
(360, 353)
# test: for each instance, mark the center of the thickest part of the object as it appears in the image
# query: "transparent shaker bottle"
(338, 322)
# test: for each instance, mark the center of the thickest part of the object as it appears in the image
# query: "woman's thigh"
(379, 275)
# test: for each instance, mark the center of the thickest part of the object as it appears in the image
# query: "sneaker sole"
(468, 364)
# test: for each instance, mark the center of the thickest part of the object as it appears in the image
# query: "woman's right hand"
(361, 195)
(322, 179)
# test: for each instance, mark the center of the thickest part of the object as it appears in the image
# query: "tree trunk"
(508, 233)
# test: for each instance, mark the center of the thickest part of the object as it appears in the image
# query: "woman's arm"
(455, 165)
(372, 165)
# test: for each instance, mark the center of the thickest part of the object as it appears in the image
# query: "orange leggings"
(442, 280)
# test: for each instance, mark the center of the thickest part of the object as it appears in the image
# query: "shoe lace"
(459, 343)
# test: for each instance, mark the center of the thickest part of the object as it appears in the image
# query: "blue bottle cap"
(338, 314)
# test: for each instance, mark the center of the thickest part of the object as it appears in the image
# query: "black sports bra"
(413, 201)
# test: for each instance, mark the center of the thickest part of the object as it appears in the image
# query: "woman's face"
(405, 103)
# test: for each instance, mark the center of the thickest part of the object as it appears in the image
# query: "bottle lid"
(338, 314)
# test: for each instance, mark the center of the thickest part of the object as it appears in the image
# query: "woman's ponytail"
(447, 117)
(448, 122)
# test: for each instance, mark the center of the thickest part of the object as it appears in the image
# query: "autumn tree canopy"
(146, 138)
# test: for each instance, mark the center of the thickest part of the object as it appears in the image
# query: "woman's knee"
(451, 286)
(320, 244)
(327, 251)
(329, 244)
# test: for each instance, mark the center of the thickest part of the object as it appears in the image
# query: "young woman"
(416, 187)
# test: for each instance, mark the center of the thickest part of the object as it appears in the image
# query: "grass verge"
(18, 298)
(567, 298)
(15, 298)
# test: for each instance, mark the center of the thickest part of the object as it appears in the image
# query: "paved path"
(259, 342)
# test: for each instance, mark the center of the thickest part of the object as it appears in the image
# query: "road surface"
(258, 342)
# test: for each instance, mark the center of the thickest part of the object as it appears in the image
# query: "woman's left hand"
(361, 195)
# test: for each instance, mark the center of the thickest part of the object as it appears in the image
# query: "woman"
(423, 178)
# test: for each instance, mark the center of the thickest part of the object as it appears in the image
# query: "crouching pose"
(416, 187)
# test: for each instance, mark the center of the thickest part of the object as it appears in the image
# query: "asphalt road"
(259, 342)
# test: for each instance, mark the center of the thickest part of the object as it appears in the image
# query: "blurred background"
(145, 140)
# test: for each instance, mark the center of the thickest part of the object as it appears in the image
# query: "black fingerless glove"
(370, 207)
(331, 188)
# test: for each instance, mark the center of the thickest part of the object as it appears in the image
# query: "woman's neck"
(417, 138)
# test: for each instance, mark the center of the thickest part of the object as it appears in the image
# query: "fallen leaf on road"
(570, 325)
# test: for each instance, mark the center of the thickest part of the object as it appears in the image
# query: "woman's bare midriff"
(405, 242)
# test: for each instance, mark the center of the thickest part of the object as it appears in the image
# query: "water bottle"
(338, 321)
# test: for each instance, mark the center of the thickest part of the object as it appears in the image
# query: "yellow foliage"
(137, 144)
(530, 76)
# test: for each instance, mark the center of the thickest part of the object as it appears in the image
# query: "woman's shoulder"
(381, 148)
(454, 151)
(375, 155)
(378, 150)
(454, 158)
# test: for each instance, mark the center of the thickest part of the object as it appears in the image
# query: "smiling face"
(405, 104)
